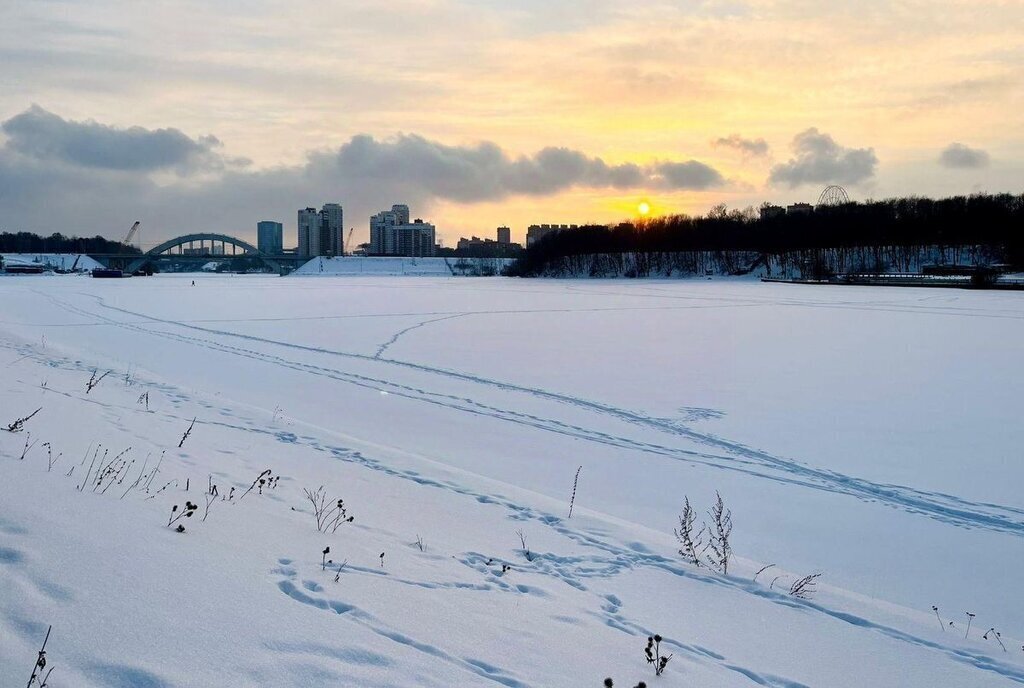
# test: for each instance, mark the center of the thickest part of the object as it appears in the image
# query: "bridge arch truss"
(200, 238)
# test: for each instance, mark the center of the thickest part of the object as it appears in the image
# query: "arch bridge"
(202, 246)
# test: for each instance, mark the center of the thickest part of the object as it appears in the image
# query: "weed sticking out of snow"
(94, 381)
(575, 483)
(692, 545)
(38, 678)
(187, 433)
(18, 424)
(653, 654)
(804, 588)
(329, 514)
(177, 515)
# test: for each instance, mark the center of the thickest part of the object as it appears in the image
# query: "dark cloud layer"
(476, 173)
(820, 160)
(960, 157)
(484, 172)
(40, 134)
(687, 175)
(90, 176)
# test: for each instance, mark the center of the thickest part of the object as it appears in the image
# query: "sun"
(643, 208)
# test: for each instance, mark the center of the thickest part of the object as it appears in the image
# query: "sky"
(211, 116)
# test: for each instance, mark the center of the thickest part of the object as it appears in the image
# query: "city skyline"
(543, 113)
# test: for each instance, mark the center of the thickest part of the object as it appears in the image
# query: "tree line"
(27, 242)
(904, 231)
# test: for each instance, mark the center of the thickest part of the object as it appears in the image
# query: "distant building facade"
(270, 237)
(309, 233)
(799, 209)
(321, 233)
(391, 234)
(332, 230)
(465, 243)
(535, 233)
(769, 211)
(504, 235)
(486, 248)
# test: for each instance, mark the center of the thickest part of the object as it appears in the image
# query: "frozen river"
(870, 434)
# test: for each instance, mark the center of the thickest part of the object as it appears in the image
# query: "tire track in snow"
(936, 505)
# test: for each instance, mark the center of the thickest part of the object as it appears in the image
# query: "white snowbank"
(384, 266)
(396, 267)
(52, 261)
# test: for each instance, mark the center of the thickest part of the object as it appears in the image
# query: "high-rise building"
(416, 238)
(309, 233)
(332, 230)
(380, 234)
(321, 233)
(504, 235)
(270, 237)
(391, 234)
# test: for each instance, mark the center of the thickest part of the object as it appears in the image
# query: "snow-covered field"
(870, 434)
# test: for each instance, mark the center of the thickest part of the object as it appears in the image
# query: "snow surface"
(55, 261)
(360, 265)
(871, 434)
(355, 266)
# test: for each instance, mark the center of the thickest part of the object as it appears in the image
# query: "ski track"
(384, 347)
(936, 505)
(609, 560)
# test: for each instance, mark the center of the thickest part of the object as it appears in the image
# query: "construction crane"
(131, 234)
(348, 241)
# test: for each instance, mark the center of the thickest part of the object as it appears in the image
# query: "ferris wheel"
(833, 195)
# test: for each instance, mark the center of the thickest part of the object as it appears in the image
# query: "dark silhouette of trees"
(894, 234)
(26, 242)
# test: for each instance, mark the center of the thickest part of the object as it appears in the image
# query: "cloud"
(107, 174)
(40, 134)
(820, 160)
(484, 172)
(481, 172)
(960, 157)
(691, 175)
(755, 148)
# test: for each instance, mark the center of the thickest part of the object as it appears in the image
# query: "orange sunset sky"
(211, 116)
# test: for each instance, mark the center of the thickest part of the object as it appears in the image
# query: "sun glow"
(643, 208)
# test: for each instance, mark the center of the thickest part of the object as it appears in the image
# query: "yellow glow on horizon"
(643, 208)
